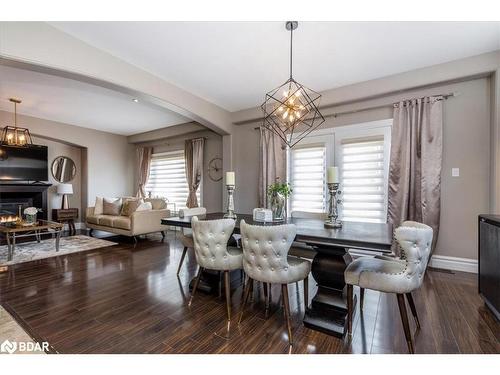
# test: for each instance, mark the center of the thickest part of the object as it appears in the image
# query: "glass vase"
(278, 206)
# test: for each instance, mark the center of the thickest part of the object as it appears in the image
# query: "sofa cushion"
(122, 222)
(130, 205)
(157, 203)
(115, 221)
(145, 206)
(98, 207)
(106, 220)
(112, 206)
(94, 219)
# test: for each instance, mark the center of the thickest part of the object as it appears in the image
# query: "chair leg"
(361, 298)
(286, 303)
(246, 294)
(227, 289)
(404, 320)
(409, 297)
(184, 252)
(195, 286)
(306, 292)
(349, 308)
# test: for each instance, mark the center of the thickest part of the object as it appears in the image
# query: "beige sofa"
(140, 222)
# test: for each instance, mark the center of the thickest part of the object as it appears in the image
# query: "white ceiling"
(233, 64)
(73, 102)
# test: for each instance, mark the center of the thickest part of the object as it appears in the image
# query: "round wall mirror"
(63, 169)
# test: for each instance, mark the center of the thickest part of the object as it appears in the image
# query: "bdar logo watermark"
(23, 346)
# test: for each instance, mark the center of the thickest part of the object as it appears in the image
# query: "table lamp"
(64, 190)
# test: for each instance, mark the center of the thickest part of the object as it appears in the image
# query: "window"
(363, 184)
(307, 167)
(362, 155)
(167, 178)
(361, 152)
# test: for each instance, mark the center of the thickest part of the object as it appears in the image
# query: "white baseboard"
(454, 263)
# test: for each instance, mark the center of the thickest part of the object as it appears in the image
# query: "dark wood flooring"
(126, 299)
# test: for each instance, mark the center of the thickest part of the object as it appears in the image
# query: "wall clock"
(215, 169)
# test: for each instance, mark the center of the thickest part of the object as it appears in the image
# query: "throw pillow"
(112, 206)
(145, 206)
(157, 203)
(98, 207)
(130, 206)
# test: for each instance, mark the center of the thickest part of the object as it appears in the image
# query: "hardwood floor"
(126, 299)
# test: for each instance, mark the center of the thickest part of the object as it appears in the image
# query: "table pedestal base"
(328, 310)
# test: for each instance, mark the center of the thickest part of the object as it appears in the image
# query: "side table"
(67, 215)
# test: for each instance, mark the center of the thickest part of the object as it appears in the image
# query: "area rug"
(29, 251)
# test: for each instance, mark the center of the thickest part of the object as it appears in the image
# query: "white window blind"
(167, 178)
(307, 177)
(364, 179)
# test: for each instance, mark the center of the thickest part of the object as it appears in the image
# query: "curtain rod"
(336, 114)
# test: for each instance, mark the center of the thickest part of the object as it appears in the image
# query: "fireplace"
(15, 196)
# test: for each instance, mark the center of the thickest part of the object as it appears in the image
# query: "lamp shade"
(64, 189)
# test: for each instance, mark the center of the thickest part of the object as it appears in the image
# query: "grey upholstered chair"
(210, 247)
(187, 233)
(400, 276)
(265, 259)
(299, 249)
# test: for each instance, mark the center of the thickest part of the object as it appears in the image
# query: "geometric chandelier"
(291, 110)
(13, 135)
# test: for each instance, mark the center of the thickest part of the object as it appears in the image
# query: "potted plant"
(278, 194)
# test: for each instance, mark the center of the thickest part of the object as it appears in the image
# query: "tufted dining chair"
(186, 236)
(210, 247)
(265, 259)
(400, 276)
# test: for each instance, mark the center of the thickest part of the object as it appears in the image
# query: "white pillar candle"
(230, 178)
(332, 175)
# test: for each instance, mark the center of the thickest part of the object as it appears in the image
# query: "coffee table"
(42, 227)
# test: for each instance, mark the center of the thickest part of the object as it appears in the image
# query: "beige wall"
(56, 149)
(211, 191)
(466, 146)
(107, 169)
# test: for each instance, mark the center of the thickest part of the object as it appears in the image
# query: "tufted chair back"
(191, 212)
(210, 243)
(415, 240)
(265, 251)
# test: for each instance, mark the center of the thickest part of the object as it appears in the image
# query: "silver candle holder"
(333, 214)
(230, 203)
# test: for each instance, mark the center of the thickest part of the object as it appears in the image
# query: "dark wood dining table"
(328, 309)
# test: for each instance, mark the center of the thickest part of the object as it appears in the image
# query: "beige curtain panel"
(272, 154)
(144, 163)
(193, 149)
(415, 165)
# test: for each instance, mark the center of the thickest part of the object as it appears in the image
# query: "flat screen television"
(23, 163)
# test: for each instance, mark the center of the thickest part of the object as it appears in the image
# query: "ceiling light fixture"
(13, 135)
(135, 100)
(291, 110)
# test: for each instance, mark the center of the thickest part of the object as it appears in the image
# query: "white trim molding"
(454, 263)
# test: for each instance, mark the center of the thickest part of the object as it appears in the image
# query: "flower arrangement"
(30, 214)
(31, 211)
(283, 188)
